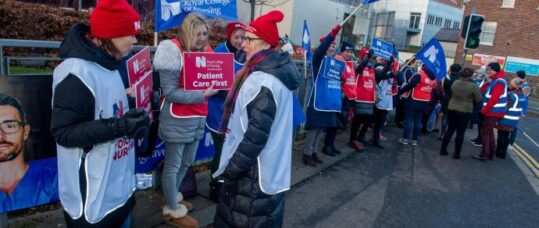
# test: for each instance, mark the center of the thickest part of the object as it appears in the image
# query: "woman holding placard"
(183, 114)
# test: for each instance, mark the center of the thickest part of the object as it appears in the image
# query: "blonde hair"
(188, 30)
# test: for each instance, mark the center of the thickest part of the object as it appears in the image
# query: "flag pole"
(155, 39)
(305, 62)
(407, 62)
(350, 16)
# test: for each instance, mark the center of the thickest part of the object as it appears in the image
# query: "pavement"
(381, 179)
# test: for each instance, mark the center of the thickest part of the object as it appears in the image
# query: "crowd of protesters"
(93, 116)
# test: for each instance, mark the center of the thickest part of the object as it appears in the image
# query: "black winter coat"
(241, 201)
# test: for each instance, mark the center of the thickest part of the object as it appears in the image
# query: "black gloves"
(133, 124)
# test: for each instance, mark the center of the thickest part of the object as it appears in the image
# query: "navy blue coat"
(318, 119)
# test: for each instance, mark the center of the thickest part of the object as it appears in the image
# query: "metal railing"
(4, 60)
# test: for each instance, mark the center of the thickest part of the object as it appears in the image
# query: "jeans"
(313, 136)
(487, 137)
(412, 120)
(455, 121)
(178, 158)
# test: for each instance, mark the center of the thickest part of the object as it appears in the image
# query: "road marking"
(527, 136)
(527, 159)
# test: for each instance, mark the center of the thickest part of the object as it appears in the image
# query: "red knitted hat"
(265, 27)
(114, 18)
(230, 27)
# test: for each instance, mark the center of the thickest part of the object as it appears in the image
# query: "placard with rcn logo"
(327, 93)
(201, 69)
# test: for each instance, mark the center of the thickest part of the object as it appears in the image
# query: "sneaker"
(357, 146)
(477, 144)
(414, 142)
(510, 148)
(403, 141)
(479, 158)
(383, 138)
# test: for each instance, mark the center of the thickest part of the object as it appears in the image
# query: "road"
(530, 126)
(403, 186)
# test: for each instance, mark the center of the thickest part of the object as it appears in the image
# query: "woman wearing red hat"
(256, 158)
(91, 121)
(235, 34)
(183, 115)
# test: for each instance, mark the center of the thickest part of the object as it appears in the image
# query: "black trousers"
(399, 112)
(363, 121)
(380, 116)
(457, 121)
(329, 140)
(502, 143)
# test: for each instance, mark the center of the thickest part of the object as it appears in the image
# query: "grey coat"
(168, 62)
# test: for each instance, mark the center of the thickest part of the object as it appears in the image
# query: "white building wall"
(287, 7)
(445, 12)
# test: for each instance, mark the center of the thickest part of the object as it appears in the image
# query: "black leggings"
(363, 121)
(380, 116)
(455, 121)
(502, 143)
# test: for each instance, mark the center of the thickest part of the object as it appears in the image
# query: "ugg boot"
(179, 217)
(186, 203)
(308, 160)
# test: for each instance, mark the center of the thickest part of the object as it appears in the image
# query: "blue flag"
(170, 13)
(433, 56)
(369, 1)
(306, 42)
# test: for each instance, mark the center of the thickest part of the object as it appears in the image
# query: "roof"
(448, 35)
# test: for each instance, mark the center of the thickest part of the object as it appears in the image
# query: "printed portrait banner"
(201, 69)
(36, 153)
(143, 93)
(514, 64)
(483, 60)
(327, 93)
(139, 65)
(382, 48)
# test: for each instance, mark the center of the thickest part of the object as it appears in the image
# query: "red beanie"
(265, 27)
(114, 18)
(230, 27)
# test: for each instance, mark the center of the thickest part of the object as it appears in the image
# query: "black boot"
(308, 160)
(377, 143)
(327, 151)
(316, 159)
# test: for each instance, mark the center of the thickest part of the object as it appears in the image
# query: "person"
(384, 101)
(421, 85)
(516, 104)
(520, 82)
(402, 79)
(22, 184)
(479, 79)
(256, 158)
(235, 33)
(465, 93)
(494, 108)
(91, 121)
(452, 75)
(318, 121)
(183, 115)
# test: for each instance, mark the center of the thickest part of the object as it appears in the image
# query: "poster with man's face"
(28, 169)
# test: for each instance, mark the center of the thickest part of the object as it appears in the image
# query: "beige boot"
(187, 204)
(179, 217)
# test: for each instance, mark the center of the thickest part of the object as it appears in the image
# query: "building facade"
(510, 33)
(416, 22)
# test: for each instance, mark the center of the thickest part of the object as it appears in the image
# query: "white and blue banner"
(327, 92)
(433, 56)
(382, 48)
(306, 42)
(170, 13)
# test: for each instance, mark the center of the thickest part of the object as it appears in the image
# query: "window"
(447, 23)
(508, 4)
(456, 25)
(414, 20)
(488, 33)
(430, 20)
(438, 21)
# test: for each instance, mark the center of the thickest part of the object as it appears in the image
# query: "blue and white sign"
(327, 93)
(170, 13)
(382, 48)
(514, 64)
(433, 56)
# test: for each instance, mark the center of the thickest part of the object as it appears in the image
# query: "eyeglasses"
(11, 126)
(249, 39)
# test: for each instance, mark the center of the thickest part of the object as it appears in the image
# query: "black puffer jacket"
(241, 201)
